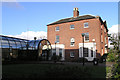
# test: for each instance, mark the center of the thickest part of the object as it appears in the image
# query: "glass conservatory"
(16, 48)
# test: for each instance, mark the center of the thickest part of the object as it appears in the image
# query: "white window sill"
(57, 42)
(86, 27)
(57, 30)
(86, 41)
(72, 56)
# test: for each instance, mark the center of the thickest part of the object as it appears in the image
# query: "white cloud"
(31, 34)
(114, 29)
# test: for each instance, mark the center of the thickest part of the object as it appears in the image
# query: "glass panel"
(57, 38)
(36, 44)
(71, 26)
(12, 44)
(91, 51)
(86, 25)
(31, 45)
(4, 44)
(86, 36)
(53, 51)
(18, 44)
(85, 50)
(72, 43)
(57, 28)
(72, 54)
(60, 52)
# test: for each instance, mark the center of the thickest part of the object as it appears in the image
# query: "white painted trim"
(88, 45)
(59, 46)
(85, 26)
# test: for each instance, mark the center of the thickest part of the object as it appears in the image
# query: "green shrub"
(112, 57)
(56, 57)
(81, 60)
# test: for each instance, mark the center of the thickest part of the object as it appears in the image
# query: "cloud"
(114, 29)
(31, 34)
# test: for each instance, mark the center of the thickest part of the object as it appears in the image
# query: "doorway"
(45, 55)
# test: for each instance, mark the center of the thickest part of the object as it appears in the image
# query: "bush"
(112, 57)
(81, 60)
(116, 70)
(56, 57)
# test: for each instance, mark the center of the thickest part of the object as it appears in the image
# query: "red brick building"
(67, 34)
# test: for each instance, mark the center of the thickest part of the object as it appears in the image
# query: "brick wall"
(66, 34)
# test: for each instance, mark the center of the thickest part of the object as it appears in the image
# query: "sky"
(23, 19)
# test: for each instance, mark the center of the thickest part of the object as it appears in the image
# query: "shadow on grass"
(53, 71)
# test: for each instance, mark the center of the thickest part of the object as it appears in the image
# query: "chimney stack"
(75, 12)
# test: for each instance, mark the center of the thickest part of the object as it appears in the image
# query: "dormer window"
(86, 25)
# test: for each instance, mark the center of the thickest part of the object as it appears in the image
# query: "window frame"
(72, 52)
(86, 52)
(87, 25)
(85, 37)
(57, 40)
(72, 42)
(60, 51)
(57, 28)
(72, 27)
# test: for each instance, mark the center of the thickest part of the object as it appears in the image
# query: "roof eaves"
(72, 19)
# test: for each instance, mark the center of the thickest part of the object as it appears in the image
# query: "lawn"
(52, 71)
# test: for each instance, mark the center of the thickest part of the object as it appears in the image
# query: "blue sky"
(34, 16)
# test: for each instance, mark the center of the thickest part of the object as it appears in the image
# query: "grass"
(52, 71)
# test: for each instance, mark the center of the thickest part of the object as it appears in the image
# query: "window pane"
(12, 44)
(72, 41)
(53, 51)
(86, 36)
(91, 51)
(57, 38)
(4, 44)
(71, 26)
(72, 54)
(57, 28)
(86, 25)
(85, 52)
(60, 52)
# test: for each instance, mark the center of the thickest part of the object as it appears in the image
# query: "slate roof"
(73, 19)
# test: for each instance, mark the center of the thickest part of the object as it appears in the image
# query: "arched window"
(72, 41)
